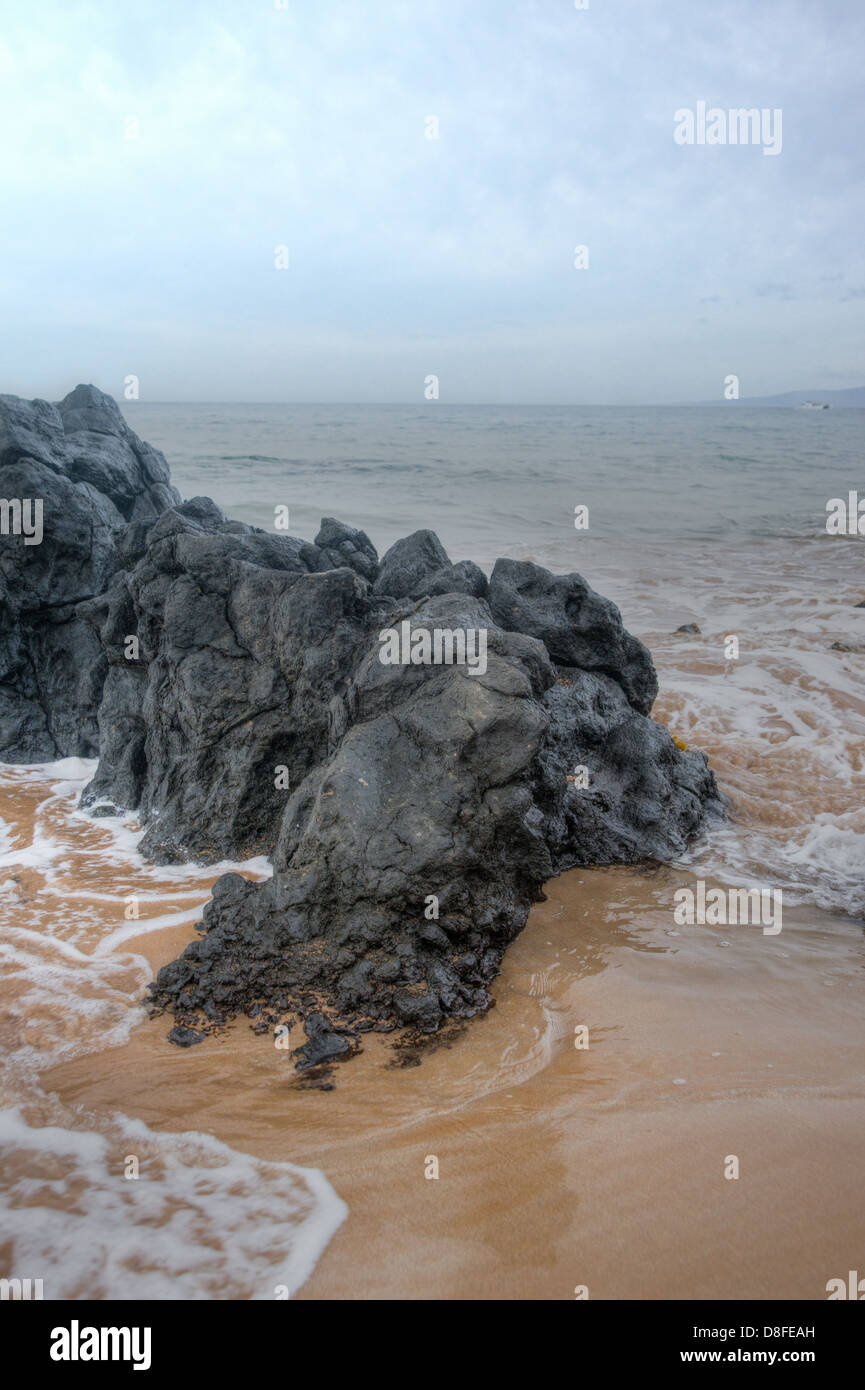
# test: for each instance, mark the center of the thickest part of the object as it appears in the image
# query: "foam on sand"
(202, 1220)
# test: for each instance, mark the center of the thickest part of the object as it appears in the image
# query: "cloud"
(154, 157)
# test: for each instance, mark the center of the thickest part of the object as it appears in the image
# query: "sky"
(155, 155)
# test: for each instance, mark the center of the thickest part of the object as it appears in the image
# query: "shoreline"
(580, 1146)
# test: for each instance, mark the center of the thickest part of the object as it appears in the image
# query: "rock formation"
(443, 788)
(412, 807)
(92, 477)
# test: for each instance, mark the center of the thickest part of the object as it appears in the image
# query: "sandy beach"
(559, 1168)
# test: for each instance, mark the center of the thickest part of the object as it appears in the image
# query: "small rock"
(324, 1044)
(186, 1037)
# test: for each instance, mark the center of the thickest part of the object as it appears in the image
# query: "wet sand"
(561, 1167)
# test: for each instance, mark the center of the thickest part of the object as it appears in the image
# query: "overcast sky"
(305, 127)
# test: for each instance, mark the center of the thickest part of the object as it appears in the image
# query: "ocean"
(491, 479)
(247, 1187)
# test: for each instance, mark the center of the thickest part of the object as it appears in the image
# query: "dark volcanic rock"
(426, 794)
(645, 797)
(93, 477)
(325, 1044)
(245, 651)
(243, 700)
(465, 577)
(410, 562)
(418, 567)
(185, 1037)
(343, 545)
(446, 786)
(576, 625)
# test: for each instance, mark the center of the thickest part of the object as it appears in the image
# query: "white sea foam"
(202, 1220)
(143, 927)
(784, 723)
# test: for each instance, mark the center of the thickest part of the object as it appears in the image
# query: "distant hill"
(854, 397)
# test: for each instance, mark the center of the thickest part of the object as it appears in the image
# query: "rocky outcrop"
(340, 545)
(576, 625)
(407, 860)
(418, 566)
(416, 748)
(79, 467)
(244, 646)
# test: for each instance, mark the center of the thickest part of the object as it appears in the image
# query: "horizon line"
(506, 405)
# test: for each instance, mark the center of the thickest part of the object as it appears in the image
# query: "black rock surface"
(232, 680)
(246, 643)
(576, 625)
(94, 478)
(409, 856)
(418, 566)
